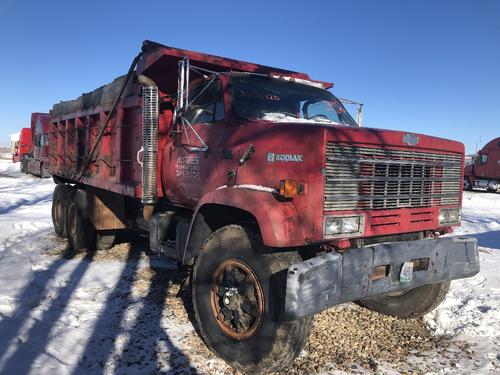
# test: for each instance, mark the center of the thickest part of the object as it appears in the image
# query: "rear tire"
(81, 232)
(238, 295)
(60, 200)
(413, 303)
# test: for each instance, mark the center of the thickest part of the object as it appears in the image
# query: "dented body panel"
(332, 278)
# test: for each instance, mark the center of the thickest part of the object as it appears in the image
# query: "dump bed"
(75, 125)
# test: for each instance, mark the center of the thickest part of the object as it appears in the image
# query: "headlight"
(336, 226)
(449, 216)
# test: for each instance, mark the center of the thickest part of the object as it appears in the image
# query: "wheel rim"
(237, 299)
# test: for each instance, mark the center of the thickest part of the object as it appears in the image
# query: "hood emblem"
(410, 139)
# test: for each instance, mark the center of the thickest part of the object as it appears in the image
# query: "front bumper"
(333, 278)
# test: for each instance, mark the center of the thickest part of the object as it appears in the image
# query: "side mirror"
(182, 87)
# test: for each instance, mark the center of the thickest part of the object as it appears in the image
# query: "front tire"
(23, 165)
(81, 232)
(413, 303)
(238, 295)
(467, 184)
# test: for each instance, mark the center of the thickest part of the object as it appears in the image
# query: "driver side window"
(481, 159)
(208, 107)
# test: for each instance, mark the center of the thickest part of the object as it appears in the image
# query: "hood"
(382, 137)
(368, 136)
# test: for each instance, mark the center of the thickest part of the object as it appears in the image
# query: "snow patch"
(250, 187)
(282, 117)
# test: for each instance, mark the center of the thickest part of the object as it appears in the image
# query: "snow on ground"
(61, 313)
(471, 311)
(120, 311)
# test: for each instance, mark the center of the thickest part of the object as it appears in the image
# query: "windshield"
(272, 99)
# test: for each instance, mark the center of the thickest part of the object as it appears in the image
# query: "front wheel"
(23, 165)
(467, 184)
(413, 303)
(238, 294)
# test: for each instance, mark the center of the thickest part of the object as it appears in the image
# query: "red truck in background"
(484, 172)
(22, 147)
(37, 160)
(259, 182)
(32, 149)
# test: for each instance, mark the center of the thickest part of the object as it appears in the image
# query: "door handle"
(247, 155)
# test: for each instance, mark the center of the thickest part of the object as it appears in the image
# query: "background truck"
(259, 182)
(484, 172)
(22, 147)
(36, 161)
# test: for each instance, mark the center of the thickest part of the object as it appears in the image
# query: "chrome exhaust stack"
(150, 149)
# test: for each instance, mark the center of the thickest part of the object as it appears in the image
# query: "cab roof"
(160, 63)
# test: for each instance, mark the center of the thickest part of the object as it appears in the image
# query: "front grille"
(374, 178)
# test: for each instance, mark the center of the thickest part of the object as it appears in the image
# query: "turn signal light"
(289, 188)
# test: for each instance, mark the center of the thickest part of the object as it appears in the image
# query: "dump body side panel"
(114, 167)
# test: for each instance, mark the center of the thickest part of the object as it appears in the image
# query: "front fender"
(278, 221)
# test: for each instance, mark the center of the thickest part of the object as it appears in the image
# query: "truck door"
(196, 146)
(481, 164)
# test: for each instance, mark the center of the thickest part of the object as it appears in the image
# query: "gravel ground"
(354, 339)
(346, 338)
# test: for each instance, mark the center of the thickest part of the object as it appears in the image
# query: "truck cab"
(484, 172)
(22, 148)
(249, 133)
(38, 162)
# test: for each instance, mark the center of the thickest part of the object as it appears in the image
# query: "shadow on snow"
(149, 348)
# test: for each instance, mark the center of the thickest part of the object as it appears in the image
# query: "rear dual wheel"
(81, 232)
(70, 219)
(60, 200)
(238, 295)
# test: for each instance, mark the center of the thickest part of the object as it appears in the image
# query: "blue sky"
(424, 66)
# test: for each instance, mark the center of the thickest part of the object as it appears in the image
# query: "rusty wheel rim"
(237, 299)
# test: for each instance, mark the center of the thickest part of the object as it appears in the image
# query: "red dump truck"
(22, 147)
(258, 181)
(484, 172)
(36, 161)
